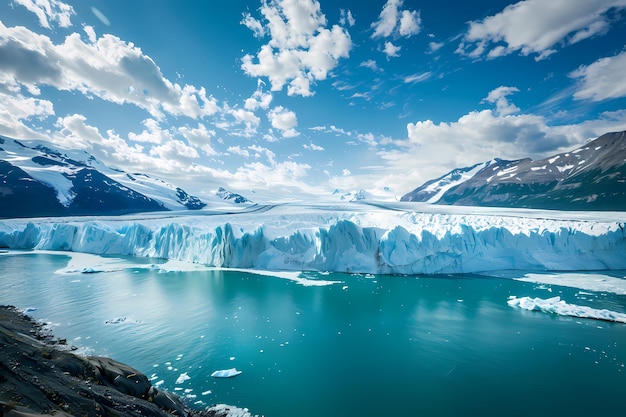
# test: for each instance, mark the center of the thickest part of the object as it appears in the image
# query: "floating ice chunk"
(228, 410)
(123, 319)
(295, 276)
(555, 305)
(226, 373)
(586, 281)
(207, 392)
(182, 378)
(116, 320)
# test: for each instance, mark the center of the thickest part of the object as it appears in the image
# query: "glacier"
(400, 238)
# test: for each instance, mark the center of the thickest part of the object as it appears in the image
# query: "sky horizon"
(297, 98)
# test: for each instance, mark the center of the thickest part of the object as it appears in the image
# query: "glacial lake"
(361, 346)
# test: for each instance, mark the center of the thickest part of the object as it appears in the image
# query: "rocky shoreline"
(40, 376)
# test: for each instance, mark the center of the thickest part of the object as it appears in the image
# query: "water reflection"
(371, 346)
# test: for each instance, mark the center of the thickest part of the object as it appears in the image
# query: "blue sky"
(297, 98)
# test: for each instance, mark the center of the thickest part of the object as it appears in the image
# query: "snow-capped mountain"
(353, 196)
(38, 180)
(224, 194)
(592, 177)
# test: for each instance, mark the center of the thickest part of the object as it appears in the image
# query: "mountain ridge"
(38, 180)
(590, 177)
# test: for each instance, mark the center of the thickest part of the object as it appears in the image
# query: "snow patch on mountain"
(441, 186)
(71, 173)
(58, 179)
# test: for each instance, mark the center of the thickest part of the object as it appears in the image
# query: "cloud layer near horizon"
(186, 130)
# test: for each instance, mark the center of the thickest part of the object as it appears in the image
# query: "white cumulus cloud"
(603, 79)
(16, 111)
(175, 150)
(537, 27)
(432, 149)
(313, 147)
(346, 18)
(283, 120)
(153, 133)
(49, 11)
(395, 22)
(238, 150)
(173, 156)
(410, 22)
(498, 96)
(259, 99)
(108, 68)
(371, 64)
(199, 137)
(301, 49)
(391, 50)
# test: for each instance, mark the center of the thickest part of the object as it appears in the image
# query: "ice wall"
(381, 242)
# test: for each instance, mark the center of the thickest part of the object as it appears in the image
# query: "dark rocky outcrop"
(40, 376)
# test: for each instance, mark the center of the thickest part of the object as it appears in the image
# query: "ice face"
(354, 238)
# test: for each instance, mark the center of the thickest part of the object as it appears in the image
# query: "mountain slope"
(592, 177)
(18, 192)
(38, 180)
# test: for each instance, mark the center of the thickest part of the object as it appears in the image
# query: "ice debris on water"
(557, 306)
(228, 410)
(120, 320)
(182, 378)
(226, 373)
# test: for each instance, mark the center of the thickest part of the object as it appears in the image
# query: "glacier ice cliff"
(367, 240)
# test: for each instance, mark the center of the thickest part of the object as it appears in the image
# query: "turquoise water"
(383, 345)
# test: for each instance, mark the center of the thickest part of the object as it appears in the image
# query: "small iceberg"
(182, 378)
(557, 306)
(226, 373)
(123, 319)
